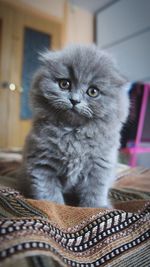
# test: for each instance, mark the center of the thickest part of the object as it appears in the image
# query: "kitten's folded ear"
(47, 56)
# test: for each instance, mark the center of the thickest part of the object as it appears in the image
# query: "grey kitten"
(79, 105)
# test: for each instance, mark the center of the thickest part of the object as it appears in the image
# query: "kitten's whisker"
(59, 104)
(87, 112)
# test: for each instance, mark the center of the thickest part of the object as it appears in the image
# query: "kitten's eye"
(93, 92)
(64, 84)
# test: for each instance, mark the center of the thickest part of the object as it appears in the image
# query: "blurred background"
(122, 27)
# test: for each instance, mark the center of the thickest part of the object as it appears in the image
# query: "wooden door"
(6, 18)
(15, 25)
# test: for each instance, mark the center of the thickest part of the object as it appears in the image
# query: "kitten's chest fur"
(69, 151)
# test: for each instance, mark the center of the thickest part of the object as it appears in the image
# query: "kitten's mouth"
(82, 113)
(74, 109)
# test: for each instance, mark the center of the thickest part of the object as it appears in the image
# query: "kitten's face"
(80, 84)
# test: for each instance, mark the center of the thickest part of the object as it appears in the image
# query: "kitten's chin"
(73, 117)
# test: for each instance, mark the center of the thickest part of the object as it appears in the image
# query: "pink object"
(137, 147)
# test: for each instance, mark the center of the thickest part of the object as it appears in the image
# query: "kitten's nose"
(74, 101)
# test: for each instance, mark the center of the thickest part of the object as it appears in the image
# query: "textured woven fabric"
(80, 237)
(75, 236)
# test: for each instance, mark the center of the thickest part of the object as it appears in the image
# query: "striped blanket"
(34, 233)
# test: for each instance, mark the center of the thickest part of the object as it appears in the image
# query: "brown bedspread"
(80, 237)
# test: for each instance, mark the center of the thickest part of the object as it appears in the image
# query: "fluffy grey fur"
(70, 153)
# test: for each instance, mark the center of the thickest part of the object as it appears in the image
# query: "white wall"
(124, 30)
